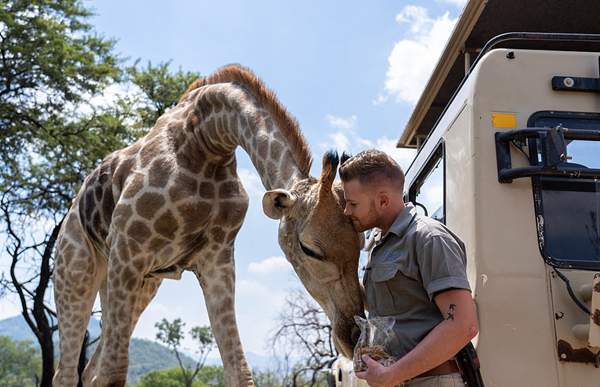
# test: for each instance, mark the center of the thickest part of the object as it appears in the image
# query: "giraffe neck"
(228, 115)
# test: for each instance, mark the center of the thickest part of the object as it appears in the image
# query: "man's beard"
(370, 221)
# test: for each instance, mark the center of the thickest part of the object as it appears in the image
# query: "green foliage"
(52, 62)
(209, 376)
(50, 57)
(166, 378)
(160, 90)
(203, 335)
(20, 364)
(171, 333)
(266, 379)
(146, 356)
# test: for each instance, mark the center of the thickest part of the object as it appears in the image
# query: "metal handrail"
(506, 173)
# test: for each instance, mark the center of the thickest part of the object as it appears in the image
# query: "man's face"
(360, 206)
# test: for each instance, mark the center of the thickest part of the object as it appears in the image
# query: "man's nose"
(347, 211)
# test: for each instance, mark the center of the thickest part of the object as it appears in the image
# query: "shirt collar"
(403, 220)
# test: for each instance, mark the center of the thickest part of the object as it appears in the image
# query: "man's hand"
(376, 375)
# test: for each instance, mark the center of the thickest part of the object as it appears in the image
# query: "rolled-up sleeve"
(442, 264)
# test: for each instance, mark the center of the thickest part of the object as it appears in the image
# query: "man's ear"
(383, 200)
(277, 203)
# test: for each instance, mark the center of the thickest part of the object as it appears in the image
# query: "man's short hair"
(372, 168)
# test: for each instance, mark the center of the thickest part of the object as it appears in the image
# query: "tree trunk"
(44, 330)
(83, 356)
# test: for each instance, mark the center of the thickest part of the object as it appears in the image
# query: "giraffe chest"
(176, 235)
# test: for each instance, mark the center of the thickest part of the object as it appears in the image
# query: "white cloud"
(403, 156)
(270, 265)
(340, 141)
(413, 59)
(157, 311)
(346, 137)
(458, 3)
(342, 123)
(251, 288)
(252, 184)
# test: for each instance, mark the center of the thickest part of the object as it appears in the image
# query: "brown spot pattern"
(148, 204)
(135, 185)
(160, 173)
(166, 225)
(183, 186)
(194, 214)
(207, 190)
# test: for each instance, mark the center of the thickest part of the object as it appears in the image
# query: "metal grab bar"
(554, 153)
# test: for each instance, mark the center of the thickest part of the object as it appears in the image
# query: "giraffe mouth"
(346, 336)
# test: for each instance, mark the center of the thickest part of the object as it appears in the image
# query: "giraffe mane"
(284, 120)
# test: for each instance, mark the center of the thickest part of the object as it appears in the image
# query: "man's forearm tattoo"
(451, 315)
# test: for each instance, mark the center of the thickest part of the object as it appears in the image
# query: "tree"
(20, 365)
(171, 333)
(267, 379)
(304, 332)
(51, 62)
(212, 376)
(160, 90)
(53, 134)
(209, 376)
(171, 377)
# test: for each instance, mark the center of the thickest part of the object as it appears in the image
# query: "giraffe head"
(323, 247)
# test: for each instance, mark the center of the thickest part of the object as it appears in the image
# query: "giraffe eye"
(310, 252)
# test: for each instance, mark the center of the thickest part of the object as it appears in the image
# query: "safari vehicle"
(508, 138)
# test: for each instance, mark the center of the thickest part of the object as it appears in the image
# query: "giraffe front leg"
(147, 293)
(218, 285)
(124, 290)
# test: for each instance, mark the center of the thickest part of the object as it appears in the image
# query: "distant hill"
(17, 328)
(144, 355)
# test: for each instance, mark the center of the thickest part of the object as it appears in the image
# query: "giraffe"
(172, 201)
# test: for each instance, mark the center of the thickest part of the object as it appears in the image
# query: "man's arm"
(441, 344)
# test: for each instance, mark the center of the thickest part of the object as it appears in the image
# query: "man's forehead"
(352, 190)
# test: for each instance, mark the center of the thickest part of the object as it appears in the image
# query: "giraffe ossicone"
(172, 201)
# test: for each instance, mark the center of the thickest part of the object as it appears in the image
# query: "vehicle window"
(568, 222)
(427, 192)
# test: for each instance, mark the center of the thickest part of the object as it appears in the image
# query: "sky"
(349, 71)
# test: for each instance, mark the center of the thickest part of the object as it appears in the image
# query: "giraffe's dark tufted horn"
(345, 157)
(330, 163)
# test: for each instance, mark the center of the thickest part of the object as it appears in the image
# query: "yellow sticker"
(504, 120)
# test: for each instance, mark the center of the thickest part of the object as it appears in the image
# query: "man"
(416, 274)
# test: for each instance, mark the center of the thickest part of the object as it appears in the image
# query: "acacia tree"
(52, 66)
(171, 333)
(50, 61)
(306, 332)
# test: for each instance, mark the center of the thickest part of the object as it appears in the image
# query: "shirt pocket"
(391, 297)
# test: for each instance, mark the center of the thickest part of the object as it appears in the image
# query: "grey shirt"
(418, 258)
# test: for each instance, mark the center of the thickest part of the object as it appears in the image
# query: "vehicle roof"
(482, 20)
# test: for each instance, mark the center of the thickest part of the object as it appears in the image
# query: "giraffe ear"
(277, 203)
